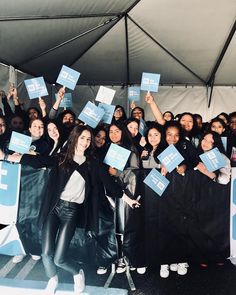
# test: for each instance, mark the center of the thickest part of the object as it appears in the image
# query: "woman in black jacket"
(72, 199)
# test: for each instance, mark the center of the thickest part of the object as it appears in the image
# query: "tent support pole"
(168, 52)
(69, 41)
(127, 51)
(212, 86)
(221, 56)
(127, 59)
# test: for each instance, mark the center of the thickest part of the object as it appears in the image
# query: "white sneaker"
(101, 270)
(35, 257)
(182, 268)
(18, 258)
(141, 270)
(52, 285)
(121, 266)
(164, 271)
(79, 282)
(174, 267)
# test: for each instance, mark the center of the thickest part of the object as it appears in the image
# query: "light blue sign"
(156, 181)
(91, 114)
(142, 127)
(20, 143)
(224, 142)
(117, 157)
(234, 227)
(36, 87)
(213, 160)
(134, 93)
(150, 82)
(109, 111)
(68, 77)
(170, 158)
(9, 183)
(66, 101)
(234, 191)
(10, 241)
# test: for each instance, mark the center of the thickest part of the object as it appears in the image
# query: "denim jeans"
(57, 233)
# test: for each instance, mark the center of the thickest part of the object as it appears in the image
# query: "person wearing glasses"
(119, 114)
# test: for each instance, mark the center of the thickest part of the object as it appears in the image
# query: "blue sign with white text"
(117, 157)
(150, 82)
(66, 101)
(213, 160)
(156, 181)
(91, 114)
(142, 127)
(36, 87)
(109, 111)
(134, 93)
(170, 158)
(224, 141)
(68, 77)
(20, 143)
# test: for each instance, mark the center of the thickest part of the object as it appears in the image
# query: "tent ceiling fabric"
(113, 42)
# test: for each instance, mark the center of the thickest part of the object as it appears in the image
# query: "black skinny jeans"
(58, 231)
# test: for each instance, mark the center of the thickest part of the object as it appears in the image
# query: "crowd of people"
(75, 152)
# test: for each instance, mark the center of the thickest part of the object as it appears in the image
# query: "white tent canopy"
(190, 43)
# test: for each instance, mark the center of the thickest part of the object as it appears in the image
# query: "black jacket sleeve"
(108, 182)
(39, 161)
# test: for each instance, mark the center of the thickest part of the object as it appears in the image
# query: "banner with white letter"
(9, 192)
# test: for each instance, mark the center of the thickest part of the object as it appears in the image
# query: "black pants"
(58, 231)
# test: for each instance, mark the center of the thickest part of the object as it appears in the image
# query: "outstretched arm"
(55, 107)
(155, 109)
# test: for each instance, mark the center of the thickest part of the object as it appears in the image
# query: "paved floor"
(214, 280)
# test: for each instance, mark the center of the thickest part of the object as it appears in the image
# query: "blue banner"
(91, 114)
(142, 127)
(156, 181)
(134, 93)
(213, 160)
(117, 156)
(66, 101)
(10, 243)
(170, 158)
(36, 87)
(150, 82)
(9, 192)
(109, 111)
(20, 143)
(224, 141)
(68, 77)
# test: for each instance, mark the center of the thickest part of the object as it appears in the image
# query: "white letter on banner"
(3, 173)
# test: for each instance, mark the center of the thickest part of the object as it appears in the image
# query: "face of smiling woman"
(115, 134)
(53, 131)
(187, 123)
(84, 141)
(154, 137)
(207, 142)
(133, 128)
(172, 135)
(100, 138)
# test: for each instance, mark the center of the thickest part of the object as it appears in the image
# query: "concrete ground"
(213, 280)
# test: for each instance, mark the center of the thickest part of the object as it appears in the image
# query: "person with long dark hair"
(189, 126)
(211, 140)
(54, 136)
(118, 134)
(153, 147)
(72, 202)
(119, 114)
(100, 140)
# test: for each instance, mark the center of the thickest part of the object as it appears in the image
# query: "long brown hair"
(67, 157)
